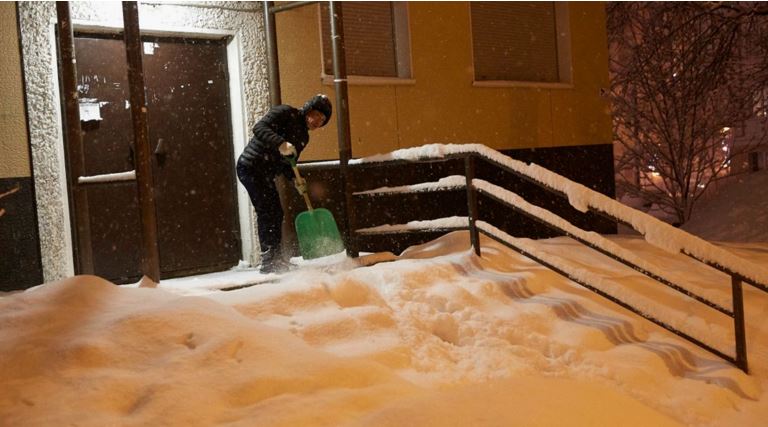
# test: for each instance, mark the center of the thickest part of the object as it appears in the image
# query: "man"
(279, 136)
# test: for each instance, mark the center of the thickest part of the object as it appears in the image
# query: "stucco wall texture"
(37, 25)
(13, 128)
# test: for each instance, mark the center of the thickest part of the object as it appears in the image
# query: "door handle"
(160, 152)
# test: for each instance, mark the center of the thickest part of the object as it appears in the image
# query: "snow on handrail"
(448, 183)
(453, 222)
(582, 198)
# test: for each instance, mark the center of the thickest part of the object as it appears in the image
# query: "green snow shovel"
(316, 229)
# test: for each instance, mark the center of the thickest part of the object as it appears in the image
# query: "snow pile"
(437, 337)
(84, 352)
(738, 212)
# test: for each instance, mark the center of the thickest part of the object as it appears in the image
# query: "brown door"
(190, 136)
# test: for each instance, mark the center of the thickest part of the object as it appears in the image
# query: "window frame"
(402, 42)
(563, 47)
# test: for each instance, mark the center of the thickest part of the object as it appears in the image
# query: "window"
(761, 103)
(520, 41)
(376, 37)
(741, 129)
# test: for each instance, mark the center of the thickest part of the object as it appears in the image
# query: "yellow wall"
(14, 154)
(441, 105)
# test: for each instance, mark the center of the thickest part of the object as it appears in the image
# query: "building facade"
(513, 76)
(439, 95)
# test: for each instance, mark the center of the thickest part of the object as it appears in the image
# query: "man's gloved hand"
(301, 185)
(287, 149)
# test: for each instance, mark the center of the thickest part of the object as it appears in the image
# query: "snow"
(739, 209)
(437, 336)
(430, 224)
(710, 334)
(448, 183)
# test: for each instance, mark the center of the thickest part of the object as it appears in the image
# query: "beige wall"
(440, 104)
(14, 153)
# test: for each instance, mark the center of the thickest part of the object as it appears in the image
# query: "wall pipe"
(342, 121)
(273, 64)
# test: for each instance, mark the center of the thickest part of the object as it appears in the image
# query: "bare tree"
(682, 74)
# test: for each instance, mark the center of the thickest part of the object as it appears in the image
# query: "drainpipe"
(150, 259)
(273, 64)
(74, 138)
(342, 121)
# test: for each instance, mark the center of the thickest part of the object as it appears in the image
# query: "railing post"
(469, 172)
(738, 323)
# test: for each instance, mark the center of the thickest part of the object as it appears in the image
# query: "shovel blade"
(318, 234)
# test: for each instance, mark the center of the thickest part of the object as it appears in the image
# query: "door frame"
(238, 118)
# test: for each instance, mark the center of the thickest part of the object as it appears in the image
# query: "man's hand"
(301, 185)
(287, 149)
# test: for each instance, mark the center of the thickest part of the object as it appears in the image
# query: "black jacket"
(282, 123)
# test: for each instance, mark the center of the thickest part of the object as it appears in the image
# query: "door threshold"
(205, 283)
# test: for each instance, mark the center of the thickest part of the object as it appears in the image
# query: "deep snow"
(436, 337)
(738, 211)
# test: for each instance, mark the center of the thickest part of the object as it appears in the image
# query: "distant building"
(747, 134)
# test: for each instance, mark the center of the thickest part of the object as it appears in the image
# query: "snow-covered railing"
(440, 224)
(583, 199)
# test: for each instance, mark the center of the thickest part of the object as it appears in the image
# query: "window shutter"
(369, 36)
(514, 41)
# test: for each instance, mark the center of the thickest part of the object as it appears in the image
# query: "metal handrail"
(737, 313)
(726, 270)
(561, 186)
(605, 252)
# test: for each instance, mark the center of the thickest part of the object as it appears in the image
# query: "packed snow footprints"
(437, 337)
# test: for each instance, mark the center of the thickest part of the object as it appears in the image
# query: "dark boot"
(272, 262)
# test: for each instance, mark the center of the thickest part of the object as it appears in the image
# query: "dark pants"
(260, 184)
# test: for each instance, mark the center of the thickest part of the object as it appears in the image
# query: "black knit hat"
(320, 103)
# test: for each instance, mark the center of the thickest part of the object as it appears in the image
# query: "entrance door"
(190, 137)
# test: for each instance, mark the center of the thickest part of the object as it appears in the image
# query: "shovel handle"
(307, 201)
(298, 176)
